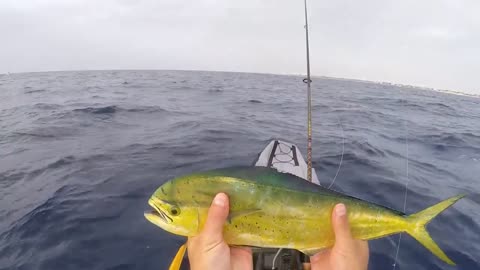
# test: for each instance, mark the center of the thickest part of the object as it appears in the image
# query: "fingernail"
(220, 200)
(340, 209)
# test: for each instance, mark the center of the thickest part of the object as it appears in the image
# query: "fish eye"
(174, 211)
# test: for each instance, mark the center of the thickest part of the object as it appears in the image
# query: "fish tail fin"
(416, 226)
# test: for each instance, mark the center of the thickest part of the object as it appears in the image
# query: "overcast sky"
(433, 43)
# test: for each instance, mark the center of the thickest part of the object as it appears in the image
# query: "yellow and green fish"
(278, 210)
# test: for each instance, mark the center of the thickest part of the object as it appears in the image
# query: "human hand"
(208, 250)
(347, 253)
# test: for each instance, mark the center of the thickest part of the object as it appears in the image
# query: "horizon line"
(448, 91)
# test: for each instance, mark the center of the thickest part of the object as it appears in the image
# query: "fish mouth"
(157, 211)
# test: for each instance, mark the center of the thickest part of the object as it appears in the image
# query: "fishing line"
(343, 152)
(406, 185)
(275, 258)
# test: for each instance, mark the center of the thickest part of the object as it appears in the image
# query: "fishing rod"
(309, 97)
(305, 260)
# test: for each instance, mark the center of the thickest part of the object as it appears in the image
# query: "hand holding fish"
(208, 250)
(347, 253)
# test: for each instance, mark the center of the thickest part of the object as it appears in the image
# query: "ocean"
(81, 152)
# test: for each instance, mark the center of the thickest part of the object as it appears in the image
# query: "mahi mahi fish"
(279, 210)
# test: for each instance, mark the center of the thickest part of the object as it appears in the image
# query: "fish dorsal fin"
(270, 177)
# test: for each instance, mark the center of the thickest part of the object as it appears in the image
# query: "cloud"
(430, 43)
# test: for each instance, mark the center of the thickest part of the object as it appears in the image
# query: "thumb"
(341, 228)
(217, 215)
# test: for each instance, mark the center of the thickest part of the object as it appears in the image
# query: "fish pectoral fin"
(241, 213)
(312, 251)
(177, 261)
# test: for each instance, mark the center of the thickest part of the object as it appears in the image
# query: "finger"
(243, 252)
(341, 228)
(241, 258)
(363, 247)
(320, 260)
(217, 215)
(241, 249)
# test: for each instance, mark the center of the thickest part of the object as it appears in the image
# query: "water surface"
(81, 152)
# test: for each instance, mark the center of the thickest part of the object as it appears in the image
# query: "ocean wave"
(403, 103)
(146, 109)
(112, 109)
(438, 104)
(43, 133)
(216, 89)
(98, 110)
(12, 176)
(35, 135)
(186, 125)
(425, 172)
(47, 106)
(61, 162)
(366, 148)
(349, 159)
(445, 139)
(35, 91)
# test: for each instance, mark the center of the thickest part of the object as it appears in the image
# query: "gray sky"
(433, 43)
